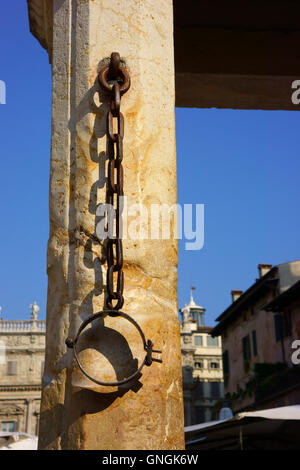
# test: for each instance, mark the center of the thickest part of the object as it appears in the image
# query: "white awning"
(275, 428)
(284, 412)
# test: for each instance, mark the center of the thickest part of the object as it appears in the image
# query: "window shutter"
(214, 389)
(12, 368)
(199, 415)
(246, 348)
(288, 324)
(199, 390)
(198, 340)
(278, 327)
(254, 343)
(210, 341)
(225, 359)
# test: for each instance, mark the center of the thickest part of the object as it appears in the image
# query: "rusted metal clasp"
(150, 350)
(148, 346)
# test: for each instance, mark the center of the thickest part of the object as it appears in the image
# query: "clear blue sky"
(243, 165)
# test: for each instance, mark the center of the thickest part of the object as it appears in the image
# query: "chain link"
(114, 188)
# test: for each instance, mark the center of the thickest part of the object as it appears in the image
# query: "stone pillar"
(29, 416)
(75, 413)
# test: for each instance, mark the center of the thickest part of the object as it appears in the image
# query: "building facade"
(258, 332)
(202, 371)
(22, 351)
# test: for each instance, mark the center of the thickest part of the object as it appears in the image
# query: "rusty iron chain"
(120, 83)
(120, 79)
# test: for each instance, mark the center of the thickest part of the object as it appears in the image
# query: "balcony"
(22, 326)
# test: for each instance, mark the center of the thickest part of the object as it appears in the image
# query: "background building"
(202, 372)
(258, 331)
(22, 350)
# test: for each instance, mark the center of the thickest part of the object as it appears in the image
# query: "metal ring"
(102, 78)
(72, 344)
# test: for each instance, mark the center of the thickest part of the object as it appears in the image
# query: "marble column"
(75, 413)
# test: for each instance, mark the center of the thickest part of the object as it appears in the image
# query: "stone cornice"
(20, 388)
(15, 350)
(208, 356)
(40, 14)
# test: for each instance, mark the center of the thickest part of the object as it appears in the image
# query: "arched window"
(8, 426)
(214, 365)
(199, 365)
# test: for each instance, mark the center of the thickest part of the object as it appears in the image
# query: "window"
(214, 389)
(199, 365)
(12, 367)
(254, 343)
(199, 415)
(199, 390)
(283, 325)
(225, 359)
(198, 340)
(210, 341)
(246, 352)
(288, 324)
(8, 426)
(246, 348)
(198, 316)
(278, 327)
(214, 365)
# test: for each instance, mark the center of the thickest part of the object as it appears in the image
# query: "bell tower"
(192, 313)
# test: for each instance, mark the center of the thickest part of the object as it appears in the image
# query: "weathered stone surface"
(74, 415)
(22, 351)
